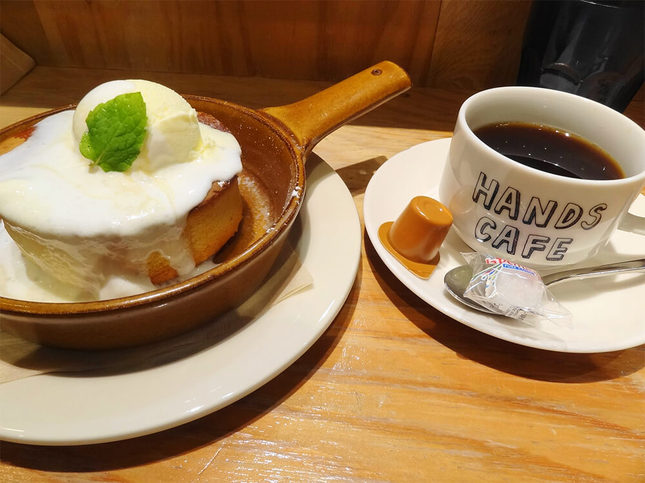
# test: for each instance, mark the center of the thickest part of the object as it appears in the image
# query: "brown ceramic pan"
(275, 142)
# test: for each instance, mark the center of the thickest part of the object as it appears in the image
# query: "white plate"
(94, 408)
(608, 313)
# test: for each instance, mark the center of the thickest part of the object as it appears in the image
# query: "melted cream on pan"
(82, 232)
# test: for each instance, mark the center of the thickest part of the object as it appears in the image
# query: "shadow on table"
(501, 355)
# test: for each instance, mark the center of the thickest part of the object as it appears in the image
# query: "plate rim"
(322, 181)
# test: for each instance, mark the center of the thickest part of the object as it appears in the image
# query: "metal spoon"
(457, 279)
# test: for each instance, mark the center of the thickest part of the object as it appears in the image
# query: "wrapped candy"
(512, 290)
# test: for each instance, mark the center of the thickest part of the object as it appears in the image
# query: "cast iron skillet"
(275, 142)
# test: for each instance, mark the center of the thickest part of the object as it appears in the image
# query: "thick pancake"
(208, 227)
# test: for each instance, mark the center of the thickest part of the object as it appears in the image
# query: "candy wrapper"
(512, 290)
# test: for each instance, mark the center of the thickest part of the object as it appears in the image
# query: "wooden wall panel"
(14, 64)
(438, 42)
(478, 44)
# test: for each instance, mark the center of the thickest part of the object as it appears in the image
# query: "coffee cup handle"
(633, 224)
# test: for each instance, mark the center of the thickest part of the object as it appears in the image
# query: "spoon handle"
(627, 266)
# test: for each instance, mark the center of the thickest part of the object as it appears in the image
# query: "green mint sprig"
(116, 131)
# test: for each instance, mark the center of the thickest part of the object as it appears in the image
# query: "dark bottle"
(591, 48)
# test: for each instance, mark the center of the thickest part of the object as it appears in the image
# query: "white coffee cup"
(532, 217)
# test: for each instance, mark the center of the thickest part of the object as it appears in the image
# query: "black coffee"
(551, 150)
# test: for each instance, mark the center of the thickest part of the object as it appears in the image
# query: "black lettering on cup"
(534, 243)
(559, 249)
(508, 236)
(488, 192)
(595, 213)
(509, 201)
(538, 215)
(482, 226)
(569, 217)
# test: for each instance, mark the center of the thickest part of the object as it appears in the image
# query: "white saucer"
(94, 408)
(608, 312)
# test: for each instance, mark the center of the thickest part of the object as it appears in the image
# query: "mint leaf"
(116, 131)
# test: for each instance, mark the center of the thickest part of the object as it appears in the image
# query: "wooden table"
(393, 390)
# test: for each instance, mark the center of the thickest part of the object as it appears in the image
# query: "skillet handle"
(312, 118)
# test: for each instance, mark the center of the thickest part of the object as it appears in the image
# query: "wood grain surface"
(444, 44)
(393, 390)
(14, 64)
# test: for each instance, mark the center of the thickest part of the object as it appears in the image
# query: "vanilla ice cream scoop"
(173, 132)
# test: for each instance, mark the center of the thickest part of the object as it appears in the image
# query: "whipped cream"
(82, 226)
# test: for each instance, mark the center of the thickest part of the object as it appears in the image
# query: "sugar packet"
(512, 290)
